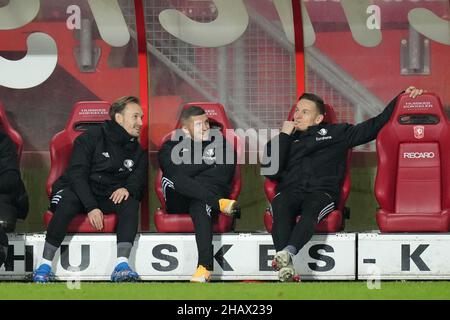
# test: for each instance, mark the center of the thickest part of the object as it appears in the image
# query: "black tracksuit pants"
(3, 246)
(286, 206)
(192, 188)
(65, 205)
(10, 187)
(186, 195)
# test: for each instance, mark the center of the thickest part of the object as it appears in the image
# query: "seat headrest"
(330, 115)
(86, 113)
(214, 111)
(425, 104)
(421, 119)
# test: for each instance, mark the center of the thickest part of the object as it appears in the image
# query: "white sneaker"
(286, 274)
(283, 263)
(281, 260)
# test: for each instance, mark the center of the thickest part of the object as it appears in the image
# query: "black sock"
(3, 254)
(3, 246)
(49, 251)
(124, 249)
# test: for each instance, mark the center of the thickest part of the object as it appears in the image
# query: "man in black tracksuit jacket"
(13, 195)
(198, 167)
(312, 159)
(106, 173)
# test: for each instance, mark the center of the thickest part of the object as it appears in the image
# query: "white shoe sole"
(199, 280)
(286, 274)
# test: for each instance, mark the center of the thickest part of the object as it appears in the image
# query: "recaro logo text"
(418, 155)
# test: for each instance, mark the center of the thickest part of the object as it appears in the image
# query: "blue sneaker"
(43, 274)
(123, 273)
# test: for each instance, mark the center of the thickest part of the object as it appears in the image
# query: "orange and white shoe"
(202, 275)
(228, 206)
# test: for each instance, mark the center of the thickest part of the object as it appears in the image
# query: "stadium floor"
(227, 291)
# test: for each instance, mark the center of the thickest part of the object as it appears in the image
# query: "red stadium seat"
(84, 114)
(413, 178)
(334, 221)
(165, 222)
(13, 134)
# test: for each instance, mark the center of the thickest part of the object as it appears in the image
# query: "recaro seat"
(335, 220)
(84, 114)
(165, 222)
(413, 178)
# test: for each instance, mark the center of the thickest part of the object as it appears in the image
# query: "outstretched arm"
(368, 130)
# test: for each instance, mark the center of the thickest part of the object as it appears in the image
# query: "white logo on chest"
(322, 131)
(128, 163)
(209, 154)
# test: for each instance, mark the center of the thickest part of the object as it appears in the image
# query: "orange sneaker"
(202, 275)
(228, 206)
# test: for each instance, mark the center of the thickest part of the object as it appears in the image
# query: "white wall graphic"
(357, 16)
(284, 8)
(430, 25)
(18, 13)
(231, 22)
(35, 67)
(110, 21)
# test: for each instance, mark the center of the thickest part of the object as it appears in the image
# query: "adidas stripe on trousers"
(286, 206)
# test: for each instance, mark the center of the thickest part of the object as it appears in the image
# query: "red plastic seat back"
(217, 117)
(330, 117)
(8, 129)
(413, 149)
(84, 114)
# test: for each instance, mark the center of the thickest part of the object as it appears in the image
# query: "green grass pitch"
(227, 290)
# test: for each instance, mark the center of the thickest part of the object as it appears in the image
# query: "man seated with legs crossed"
(198, 167)
(311, 167)
(106, 173)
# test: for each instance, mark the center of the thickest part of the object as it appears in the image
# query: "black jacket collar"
(117, 133)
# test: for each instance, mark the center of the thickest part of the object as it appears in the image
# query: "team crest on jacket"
(209, 154)
(322, 131)
(128, 163)
(419, 132)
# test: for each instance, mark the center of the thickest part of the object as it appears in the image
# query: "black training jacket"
(104, 158)
(11, 182)
(211, 166)
(8, 154)
(315, 160)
